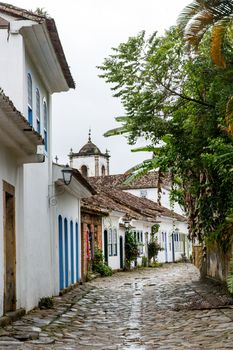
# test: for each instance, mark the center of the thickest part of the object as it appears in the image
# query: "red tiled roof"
(135, 207)
(122, 202)
(112, 187)
(149, 180)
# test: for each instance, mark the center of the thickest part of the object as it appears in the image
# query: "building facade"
(32, 67)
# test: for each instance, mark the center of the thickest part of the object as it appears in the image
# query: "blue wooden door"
(77, 252)
(61, 266)
(72, 251)
(66, 254)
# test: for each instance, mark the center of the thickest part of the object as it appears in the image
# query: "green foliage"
(41, 12)
(98, 258)
(144, 261)
(46, 303)
(230, 278)
(98, 264)
(155, 264)
(131, 249)
(153, 249)
(154, 229)
(89, 276)
(199, 16)
(173, 101)
(103, 269)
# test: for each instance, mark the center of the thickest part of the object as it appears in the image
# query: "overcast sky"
(88, 29)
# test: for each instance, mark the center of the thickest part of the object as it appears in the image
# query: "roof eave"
(16, 133)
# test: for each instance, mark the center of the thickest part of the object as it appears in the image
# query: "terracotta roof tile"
(112, 186)
(137, 208)
(149, 180)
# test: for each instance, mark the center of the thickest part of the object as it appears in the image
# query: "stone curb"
(11, 317)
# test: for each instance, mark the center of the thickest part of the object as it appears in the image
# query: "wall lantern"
(126, 220)
(67, 175)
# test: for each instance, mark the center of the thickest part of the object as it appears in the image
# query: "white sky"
(88, 29)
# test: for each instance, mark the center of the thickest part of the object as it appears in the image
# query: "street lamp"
(67, 175)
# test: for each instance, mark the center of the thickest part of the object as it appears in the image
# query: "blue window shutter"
(72, 251)
(66, 254)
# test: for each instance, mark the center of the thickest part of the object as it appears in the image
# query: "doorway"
(121, 253)
(9, 247)
(106, 246)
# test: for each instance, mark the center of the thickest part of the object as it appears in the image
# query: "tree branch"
(187, 98)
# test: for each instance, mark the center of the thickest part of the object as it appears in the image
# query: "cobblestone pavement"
(164, 308)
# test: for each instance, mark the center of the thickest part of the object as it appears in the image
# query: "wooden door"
(9, 247)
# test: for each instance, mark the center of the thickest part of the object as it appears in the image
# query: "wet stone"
(147, 309)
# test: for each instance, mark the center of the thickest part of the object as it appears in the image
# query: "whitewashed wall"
(11, 173)
(34, 242)
(37, 225)
(145, 227)
(37, 232)
(12, 67)
(164, 235)
(110, 222)
(89, 162)
(152, 194)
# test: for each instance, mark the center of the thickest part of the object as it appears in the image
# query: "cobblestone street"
(164, 308)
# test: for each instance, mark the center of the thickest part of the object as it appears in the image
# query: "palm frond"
(197, 26)
(140, 170)
(188, 12)
(217, 38)
(145, 149)
(137, 167)
(117, 131)
(229, 115)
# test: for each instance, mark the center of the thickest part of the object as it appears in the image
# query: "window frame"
(110, 252)
(86, 170)
(45, 126)
(103, 171)
(114, 241)
(38, 111)
(30, 98)
(143, 193)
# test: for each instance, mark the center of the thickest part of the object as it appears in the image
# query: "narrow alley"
(163, 308)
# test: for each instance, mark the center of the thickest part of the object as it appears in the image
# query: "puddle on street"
(133, 326)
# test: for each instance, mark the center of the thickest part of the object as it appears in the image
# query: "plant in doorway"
(131, 249)
(98, 264)
(45, 303)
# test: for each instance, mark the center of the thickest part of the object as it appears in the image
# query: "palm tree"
(201, 15)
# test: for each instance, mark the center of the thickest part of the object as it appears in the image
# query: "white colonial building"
(32, 67)
(173, 232)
